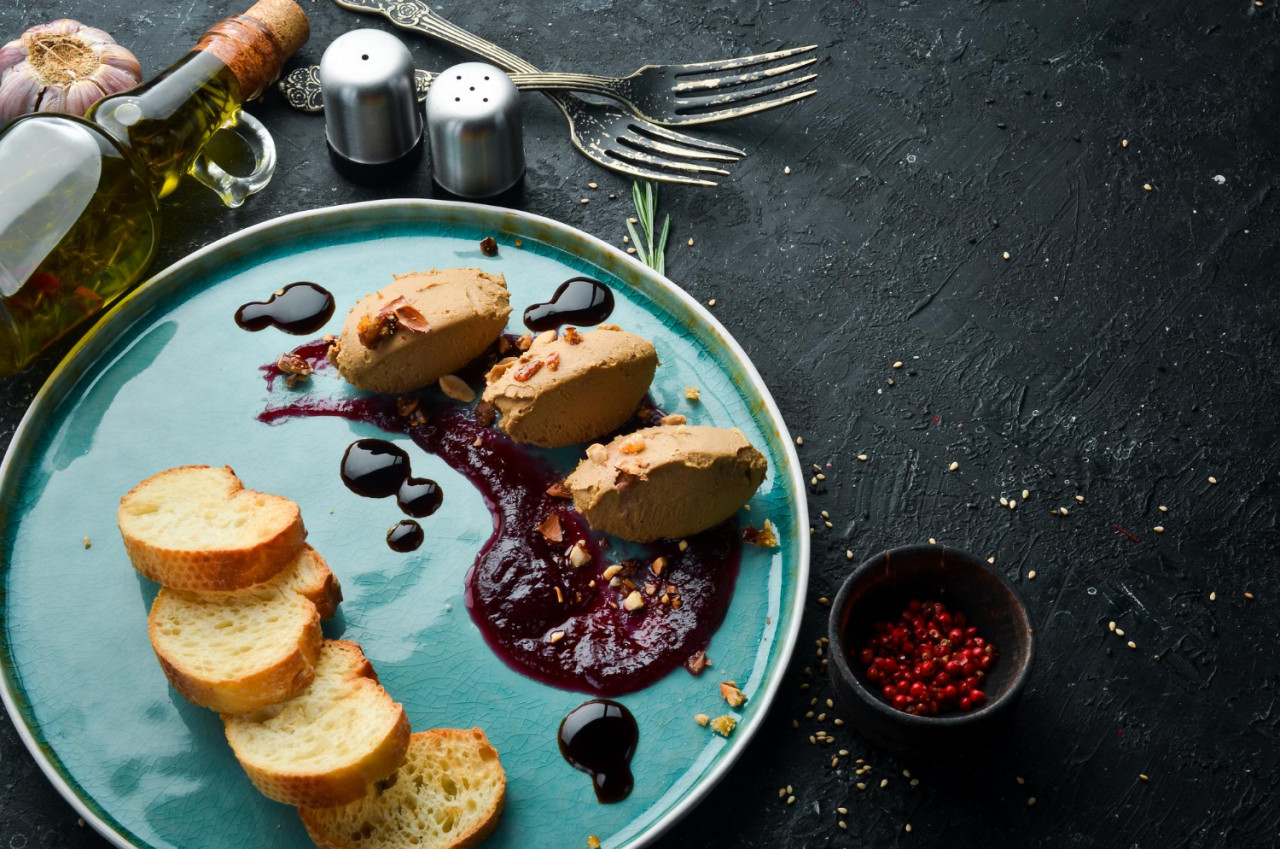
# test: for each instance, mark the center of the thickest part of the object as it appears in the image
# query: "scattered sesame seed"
(842, 824)
(1144, 776)
(884, 782)
(830, 703)
(826, 515)
(932, 541)
(634, 220)
(862, 458)
(861, 785)
(1163, 509)
(906, 773)
(1212, 479)
(1213, 596)
(1007, 256)
(844, 753)
(791, 800)
(1021, 780)
(898, 364)
(593, 185)
(585, 200)
(822, 599)
(690, 241)
(1111, 626)
(842, 810)
(1026, 493)
(907, 828)
(1158, 529)
(789, 789)
(1031, 800)
(786, 169)
(890, 381)
(1132, 644)
(822, 477)
(954, 465)
(915, 782)
(1031, 576)
(1119, 632)
(1146, 187)
(991, 560)
(711, 303)
(782, 792)
(631, 250)
(1249, 596)
(1062, 511)
(1124, 142)
(1004, 502)
(1080, 498)
(837, 720)
(848, 555)
(1013, 504)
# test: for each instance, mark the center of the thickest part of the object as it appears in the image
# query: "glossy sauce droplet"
(405, 536)
(580, 301)
(419, 497)
(297, 308)
(599, 737)
(374, 468)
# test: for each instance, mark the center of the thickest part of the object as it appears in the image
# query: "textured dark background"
(1125, 352)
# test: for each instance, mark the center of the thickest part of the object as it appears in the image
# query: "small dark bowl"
(879, 590)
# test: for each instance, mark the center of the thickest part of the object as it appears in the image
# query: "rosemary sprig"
(652, 253)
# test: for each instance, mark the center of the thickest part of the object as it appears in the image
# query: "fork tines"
(733, 98)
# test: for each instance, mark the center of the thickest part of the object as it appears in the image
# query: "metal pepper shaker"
(475, 125)
(373, 121)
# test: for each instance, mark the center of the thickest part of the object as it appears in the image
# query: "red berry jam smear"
(930, 661)
(560, 624)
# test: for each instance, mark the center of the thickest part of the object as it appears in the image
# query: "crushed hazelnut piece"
(691, 393)
(553, 361)
(697, 662)
(489, 246)
(597, 454)
(702, 719)
(658, 565)
(572, 336)
(724, 725)
(578, 555)
(611, 571)
(559, 490)
(457, 388)
(87, 543)
(294, 367)
(486, 412)
(683, 545)
(763, 538)
(525, 340)
(550, 528)
(673, 419)
(633, 602)
(557, 636)
(732, 695)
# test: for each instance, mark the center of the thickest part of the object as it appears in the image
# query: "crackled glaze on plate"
(168, 379)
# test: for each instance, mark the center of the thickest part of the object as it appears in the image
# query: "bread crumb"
(87, 543)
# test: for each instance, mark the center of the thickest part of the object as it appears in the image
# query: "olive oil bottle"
(79, 196)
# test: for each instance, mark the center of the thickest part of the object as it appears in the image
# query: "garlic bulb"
(62, 66)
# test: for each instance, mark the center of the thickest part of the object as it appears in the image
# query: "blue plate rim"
(153, 287)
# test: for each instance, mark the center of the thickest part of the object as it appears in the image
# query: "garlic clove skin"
(62, 66)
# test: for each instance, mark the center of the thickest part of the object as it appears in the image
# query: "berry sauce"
(538, 612)
(297, 308)
(599, 737)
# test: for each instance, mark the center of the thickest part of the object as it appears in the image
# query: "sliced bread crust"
(325, 746)
(448, 795)
(198, 528)
(242, 650)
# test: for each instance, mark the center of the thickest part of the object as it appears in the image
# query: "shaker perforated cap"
(475, 125)
(372, 115)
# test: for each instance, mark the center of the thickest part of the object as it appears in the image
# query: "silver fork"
(603, 133)
(655, 92)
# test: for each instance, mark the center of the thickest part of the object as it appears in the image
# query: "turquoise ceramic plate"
(168, 379)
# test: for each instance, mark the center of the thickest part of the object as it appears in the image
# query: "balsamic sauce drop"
(374, 468)
(599, 737)
(297, 308)
(419, 497)
(405, 536)
(580, 301)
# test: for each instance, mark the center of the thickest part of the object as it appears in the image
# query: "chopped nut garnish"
(702, 719)
(557, 636)
(528, 370)
(294, 365)
(724, 725)
(489, 246)
(457, 388)
(633, 602)
(673, 419)
(553, 361)
(486, 413)
(597, 454)
(691, 393)
(578, 555)
(572, 336)
(697, 662)
(559, 490)
(593, 842)
(658, 565)
(732, 694)
(633, 445)
(611, 571)
(764, 538)
(87, 543)
(524, 341)
(650, 589)
(683, 545)
(373, 329)
(550, 528)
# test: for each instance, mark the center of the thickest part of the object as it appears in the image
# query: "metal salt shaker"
(474, 122)
(373, 122)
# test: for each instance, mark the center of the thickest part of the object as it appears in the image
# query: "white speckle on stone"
(1219, 179)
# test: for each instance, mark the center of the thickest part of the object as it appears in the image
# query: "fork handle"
(417, 16)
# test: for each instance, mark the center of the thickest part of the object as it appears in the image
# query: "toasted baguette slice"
(325, 746)
(448, 795)
(198, 528)
(245, 649)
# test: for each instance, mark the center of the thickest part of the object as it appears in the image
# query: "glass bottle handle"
(231, 188)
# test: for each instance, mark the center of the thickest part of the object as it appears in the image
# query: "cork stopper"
(256, 45)
(285, 20)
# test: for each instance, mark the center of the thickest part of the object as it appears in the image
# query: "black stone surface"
(1125, 352)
